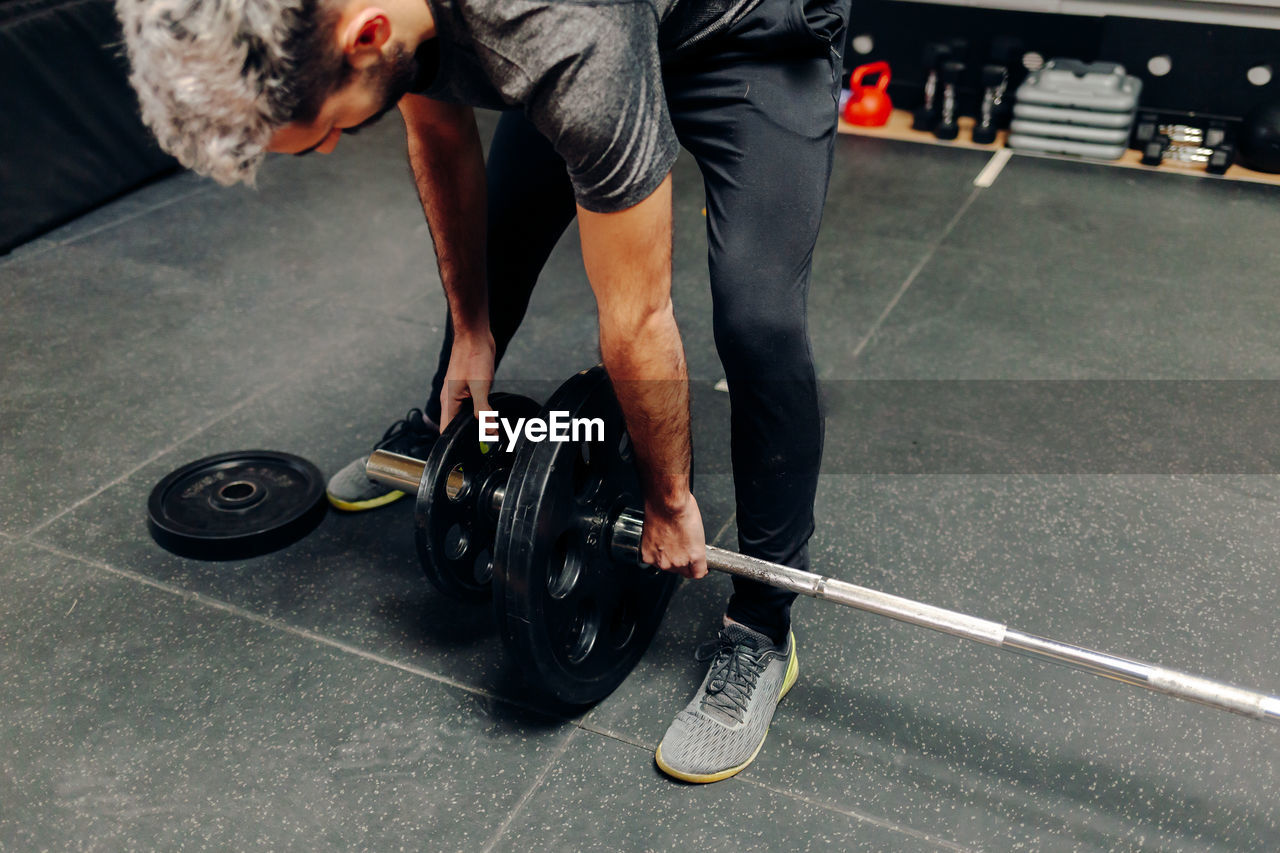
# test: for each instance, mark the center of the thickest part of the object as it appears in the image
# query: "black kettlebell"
(1260, 138)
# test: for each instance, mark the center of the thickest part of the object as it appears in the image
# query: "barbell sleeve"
(395, 470)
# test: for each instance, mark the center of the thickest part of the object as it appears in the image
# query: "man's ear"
(363, 37)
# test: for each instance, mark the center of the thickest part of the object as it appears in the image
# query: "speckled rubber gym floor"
(325, 698)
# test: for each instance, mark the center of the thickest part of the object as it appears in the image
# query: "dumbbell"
(926, 116)
(1153, 150)
(948, 126)
(995, 81)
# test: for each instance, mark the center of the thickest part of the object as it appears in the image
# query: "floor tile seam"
(724, 528)
(862, 817)
(169, 448)
(528, 795)
(196, 598)
(612, 735)
(930, 251)
(60, 244)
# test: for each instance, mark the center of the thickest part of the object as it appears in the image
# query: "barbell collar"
(405, 473)
(624, 539)
(496, 497)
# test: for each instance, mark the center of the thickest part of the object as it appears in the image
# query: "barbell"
(552, 531)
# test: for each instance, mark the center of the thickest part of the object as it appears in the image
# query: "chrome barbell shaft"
(1171, 682)
(405, 473)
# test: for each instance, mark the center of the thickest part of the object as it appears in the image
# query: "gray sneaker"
(721, 731)
(351, 490)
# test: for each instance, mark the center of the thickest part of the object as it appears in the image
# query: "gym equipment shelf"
(899, 128)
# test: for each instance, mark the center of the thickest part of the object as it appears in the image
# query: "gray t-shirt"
(587, 73)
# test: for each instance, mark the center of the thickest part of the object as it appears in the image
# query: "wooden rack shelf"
(899, 128)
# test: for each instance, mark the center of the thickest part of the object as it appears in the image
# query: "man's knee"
(760, 341)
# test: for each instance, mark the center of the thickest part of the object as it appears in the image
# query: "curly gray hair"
(215, 78)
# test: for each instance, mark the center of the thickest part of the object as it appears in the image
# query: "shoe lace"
(735, 668)
(413, 423)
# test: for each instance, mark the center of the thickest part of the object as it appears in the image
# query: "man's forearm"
(628, 260)
(448, 168)
(651, 382)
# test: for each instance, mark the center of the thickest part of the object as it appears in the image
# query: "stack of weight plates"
(1073, 107)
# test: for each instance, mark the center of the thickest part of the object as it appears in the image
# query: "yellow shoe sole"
(361, 506)
(793, 672)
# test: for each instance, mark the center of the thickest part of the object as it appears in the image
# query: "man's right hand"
(470, 374)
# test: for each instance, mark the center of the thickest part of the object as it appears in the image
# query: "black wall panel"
(1209, 62)
(70, 136)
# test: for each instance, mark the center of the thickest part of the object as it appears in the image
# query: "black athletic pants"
(757, 109)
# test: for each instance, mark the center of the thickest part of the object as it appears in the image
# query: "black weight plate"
(236, 505)
(454, 522)
(574, 620)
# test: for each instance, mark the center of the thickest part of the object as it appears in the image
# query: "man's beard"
(395, 78)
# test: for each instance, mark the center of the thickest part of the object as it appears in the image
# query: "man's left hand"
(674, 540)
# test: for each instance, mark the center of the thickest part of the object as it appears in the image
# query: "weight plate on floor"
(575, 621)
(455, 519)
(236, 505)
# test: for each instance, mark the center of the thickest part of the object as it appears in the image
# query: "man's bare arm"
(628, 261)
(448, 168)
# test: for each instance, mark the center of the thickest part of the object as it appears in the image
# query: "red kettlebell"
(868, 106)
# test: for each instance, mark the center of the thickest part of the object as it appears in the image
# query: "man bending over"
(597, 97)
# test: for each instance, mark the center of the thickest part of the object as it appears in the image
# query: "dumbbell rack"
(899, 129)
